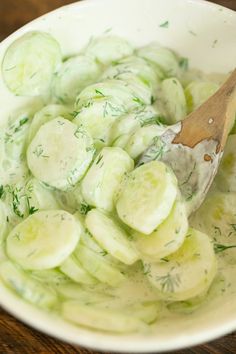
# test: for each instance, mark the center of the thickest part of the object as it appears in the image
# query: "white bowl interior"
(206, 34)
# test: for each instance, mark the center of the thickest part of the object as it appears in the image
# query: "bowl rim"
(109, 345)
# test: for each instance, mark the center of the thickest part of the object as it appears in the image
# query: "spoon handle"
(213, 120)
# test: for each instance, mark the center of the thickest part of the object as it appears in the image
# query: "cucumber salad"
(85, 234)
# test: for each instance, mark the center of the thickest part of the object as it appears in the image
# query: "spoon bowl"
(193, 148)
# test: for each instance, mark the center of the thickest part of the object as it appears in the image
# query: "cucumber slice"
(174, 101)
(29, 63)
(72, 200)
(97, 117)
(191, 305)
(101, 319)
(50, 277)
(226, 176)
(197, 92)
(142, 93)
(134, 66)
(111, 237)
(15, 136)
(163, 58)
(118, 90)
(73, 269)
(167, 238)
(16, 202)
(75, 74)
(109, 48)
(52, 163)
(186, 273)
(130, 122)
(86, 237)
(26, 287)
(46, 114)
(121, 141)
(233, 131)
(89, 241)
(148, 312)
(142, 138)
(72, 291)
(98, 267)
(104, 176)
(38, 197)
(25, 198)
(217, 217)
(147, 197)
(3, 222)
(44, 240)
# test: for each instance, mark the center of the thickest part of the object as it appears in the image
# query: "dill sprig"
(84, 208)
(218, 247)
(169, 282)
(1, 191)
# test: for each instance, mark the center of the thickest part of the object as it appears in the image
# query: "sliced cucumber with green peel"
(142, 138)
(167, 238)
(44, 240)
(50, 277)
(26, 287)
(121, 141)
(118, 90)
(30, 62)
(72, 291)
(187, 272)
(97, 117)
(134, 66)
(38, 197)
(129, 123)
(98, 266)
(226, 175)
(73, 269)
(15, 136)
(54, 165)
(3, 222)
(109, 48)
(74, 75)
(174, 101)
(147, 197)
(147, 312)
(112, 238)
(162, 57)
(101, 319)
(217, 218)
(104, 176)
(46, 114)
(197, 92)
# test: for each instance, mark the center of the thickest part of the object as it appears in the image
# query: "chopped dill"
(32, 210)
(98, 92)
(1, 191)
(39, 151)
(84, 208)
(99, 159)
(164, 24)
(146, 269)
(103, 253)
(233, 226)
(139, 101)
(169, 282)
(183, 63)
(190, 175)
(218, 248)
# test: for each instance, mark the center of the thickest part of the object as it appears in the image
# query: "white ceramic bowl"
(206, 34)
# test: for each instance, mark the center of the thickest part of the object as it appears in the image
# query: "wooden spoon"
(193, 147)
